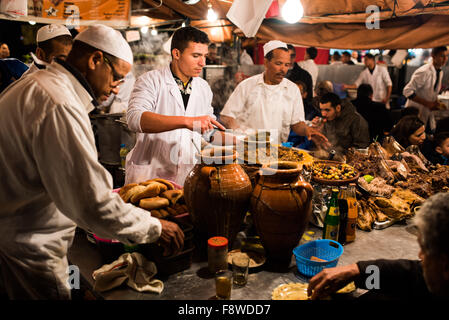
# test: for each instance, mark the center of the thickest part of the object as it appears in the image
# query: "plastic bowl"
(328, 250)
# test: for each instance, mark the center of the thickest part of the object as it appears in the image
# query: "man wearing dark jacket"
(342, 125)
(296, 73)
(374, 113)
(427, 278)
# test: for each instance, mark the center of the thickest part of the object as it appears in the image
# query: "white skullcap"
(271, 45)
(51, 31)
(106, 39)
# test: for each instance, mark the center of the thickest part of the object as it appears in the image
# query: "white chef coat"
(51, 182)
(422, 84)
(37, 65)
(245, 58)
(171, 154)
(257, 105)
(118, 103)
(310, 66)
(379, 81)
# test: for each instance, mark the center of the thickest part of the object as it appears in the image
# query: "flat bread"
(151, 190)
(125, 188)
(173, 195)
(154, 203)
(291, 291)
(168, 184)
(132, 191)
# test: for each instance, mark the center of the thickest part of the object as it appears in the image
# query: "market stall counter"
(399, 241)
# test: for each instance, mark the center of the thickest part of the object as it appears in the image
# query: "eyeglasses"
(115, 76)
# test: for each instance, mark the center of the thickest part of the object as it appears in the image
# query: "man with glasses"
(51, 178)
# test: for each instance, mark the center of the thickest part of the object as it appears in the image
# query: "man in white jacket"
(425, 84)
(51, 178)
(268, 101)
(377, 77)
(169, 109)
(54, 41)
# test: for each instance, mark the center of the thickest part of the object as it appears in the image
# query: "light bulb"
(211, 15)
(153, 32)
(144, 30)
(292, 11)
(32, 22)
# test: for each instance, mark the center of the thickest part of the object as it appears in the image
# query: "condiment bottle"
(352, 213)
(332, 219)
(343, 207)
(217, 252)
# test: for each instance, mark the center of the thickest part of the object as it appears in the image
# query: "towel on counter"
(133, 268)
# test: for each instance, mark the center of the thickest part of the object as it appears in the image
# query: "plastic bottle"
(332, 219)
(123, 152)
(352, 213)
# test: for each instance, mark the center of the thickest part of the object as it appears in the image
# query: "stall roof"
(330, 23)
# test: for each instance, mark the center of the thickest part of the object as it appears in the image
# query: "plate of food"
(298, 291)
(333, 173)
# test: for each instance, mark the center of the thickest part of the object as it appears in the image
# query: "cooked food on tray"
(333, 171)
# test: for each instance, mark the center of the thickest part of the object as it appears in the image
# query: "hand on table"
(330, 280)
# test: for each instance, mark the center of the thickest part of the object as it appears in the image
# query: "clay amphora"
(281, 204)
(217, 193)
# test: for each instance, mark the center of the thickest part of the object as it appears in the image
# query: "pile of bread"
(157, 195)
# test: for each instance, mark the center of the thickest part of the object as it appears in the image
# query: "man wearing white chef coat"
(269, 101)
(377, 77)
(168, 109)
(425, 84)
(51, 178)
(54, 41)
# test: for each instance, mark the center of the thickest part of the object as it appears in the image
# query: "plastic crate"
(328, 250)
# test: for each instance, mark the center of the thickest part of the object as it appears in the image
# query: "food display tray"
(332, 182)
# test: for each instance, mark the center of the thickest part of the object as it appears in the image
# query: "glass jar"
(217, 253)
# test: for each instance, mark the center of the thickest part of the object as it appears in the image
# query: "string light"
(144, 29)
(153, 32)
(211, 15)
(292, 11)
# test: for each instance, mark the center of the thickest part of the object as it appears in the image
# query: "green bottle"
(332, 219)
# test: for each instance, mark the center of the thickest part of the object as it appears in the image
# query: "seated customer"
(310, 113)
(342, 125)
(426, 278)
(374, 113)
(439, 152)
(409, 131)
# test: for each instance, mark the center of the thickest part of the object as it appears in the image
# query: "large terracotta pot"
(217, 193)
(281, 204)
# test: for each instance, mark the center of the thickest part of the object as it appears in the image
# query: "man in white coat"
(425, 84)
(377, 77)
(51, 178)
(54, 41)
(169, 109)
(267, 101)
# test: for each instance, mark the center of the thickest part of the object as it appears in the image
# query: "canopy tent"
(326, 23)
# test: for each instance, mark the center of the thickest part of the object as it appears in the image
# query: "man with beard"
(268, 100)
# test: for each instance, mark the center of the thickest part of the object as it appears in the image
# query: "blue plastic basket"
(328, 250)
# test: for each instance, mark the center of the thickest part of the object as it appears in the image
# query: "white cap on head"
(106, 39)
(271, 45)
(51, 31)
